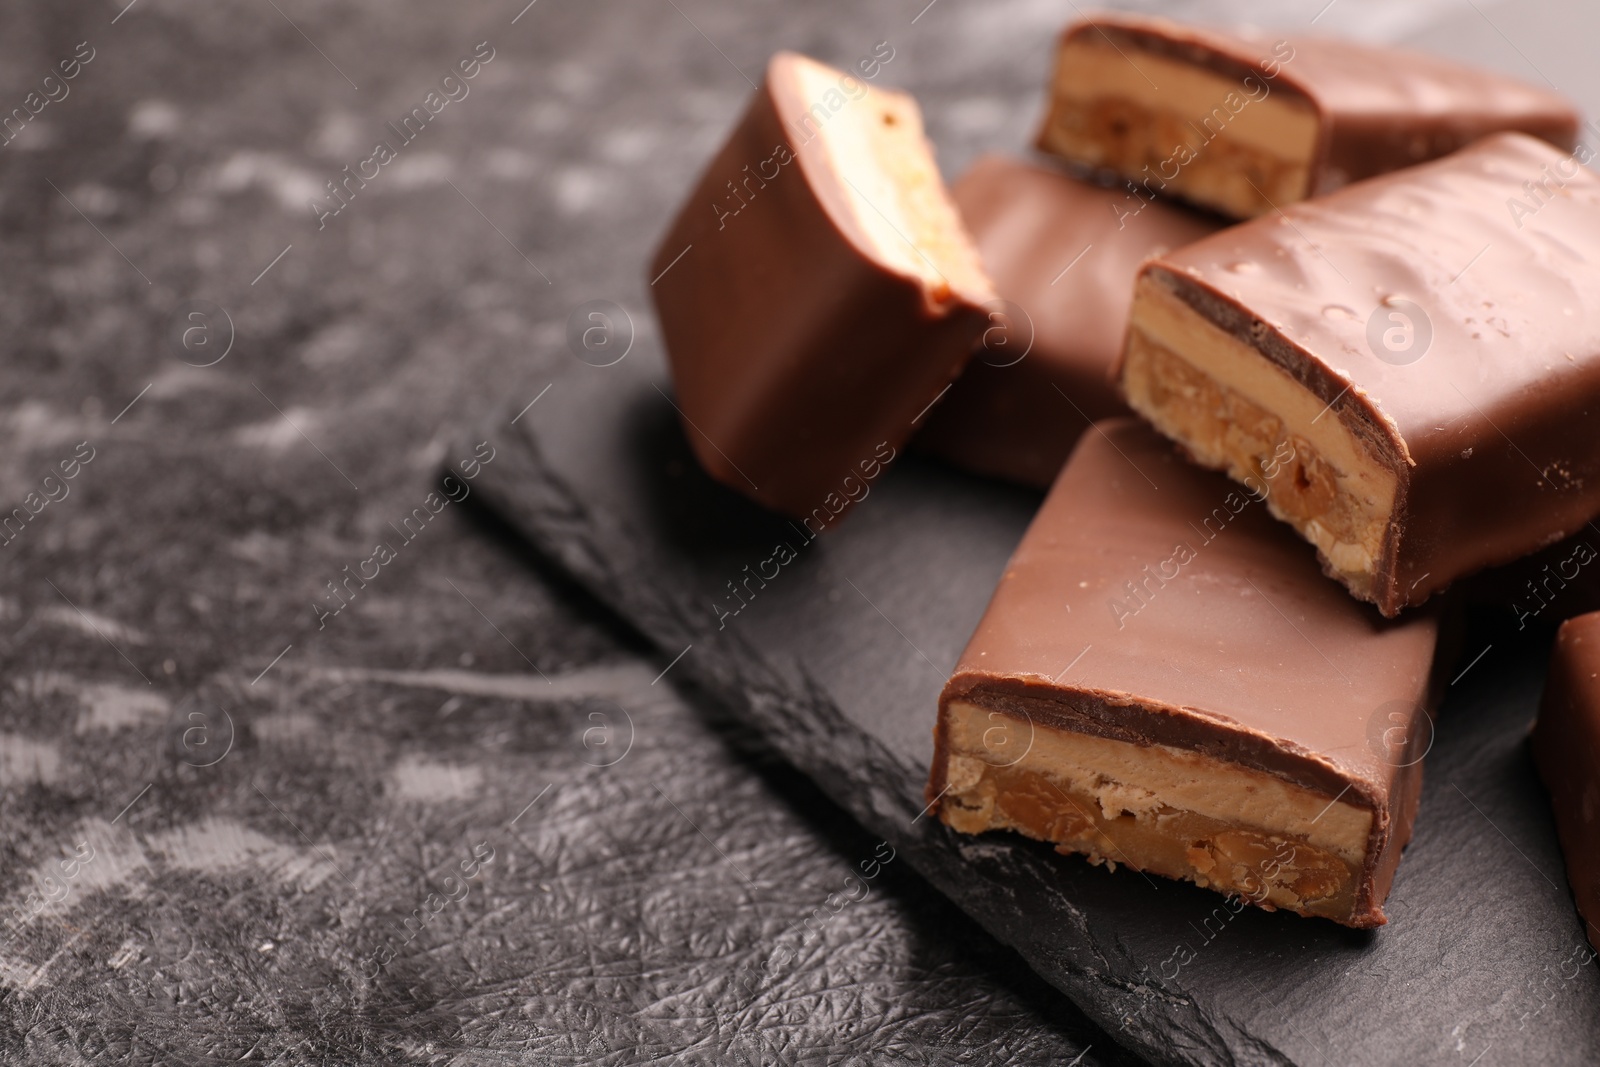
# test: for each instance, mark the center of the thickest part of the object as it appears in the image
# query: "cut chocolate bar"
(1566, 749)
(817, 292)
(1063, 253)
(1163, 680)
(1417, 354)
(1243, 122)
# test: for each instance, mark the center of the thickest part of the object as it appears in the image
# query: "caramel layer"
(1239, 412)
(1158, 809)
(1239, 148)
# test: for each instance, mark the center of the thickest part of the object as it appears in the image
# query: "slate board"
(839, 659)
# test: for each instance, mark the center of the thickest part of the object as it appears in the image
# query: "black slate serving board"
(839, 660)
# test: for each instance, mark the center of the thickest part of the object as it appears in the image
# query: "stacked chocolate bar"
(1358, 288)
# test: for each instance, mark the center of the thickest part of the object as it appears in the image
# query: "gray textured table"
(458, 820)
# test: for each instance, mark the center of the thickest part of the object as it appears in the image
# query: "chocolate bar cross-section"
(1426, 345)
(817, 291)
(1245, 122)
(1164, 680)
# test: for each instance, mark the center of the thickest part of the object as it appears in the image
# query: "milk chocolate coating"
(1247, 654)
(1486, 428)
(1566, 749)
(1379, 108)
(1019, 420)
(799, 358)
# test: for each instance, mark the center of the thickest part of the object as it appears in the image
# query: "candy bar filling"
(1157, 808)
(876, 151)
(1236, 144)
(1237, 410)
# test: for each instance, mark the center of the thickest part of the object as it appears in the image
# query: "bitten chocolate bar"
(1421, 350)
(1164, 680)
(817, 292)
(1244, 123)
(1064, 254)
(1566, 749)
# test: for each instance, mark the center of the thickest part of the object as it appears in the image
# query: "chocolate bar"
(1164, 680)
(1566, 749)
(1245, 123)
(1415, 354)
(817, 292)
(1063, 254)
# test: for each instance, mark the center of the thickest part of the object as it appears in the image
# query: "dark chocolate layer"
(801, 354)
(1065, 252)
(1566, 748)
(1157, 603)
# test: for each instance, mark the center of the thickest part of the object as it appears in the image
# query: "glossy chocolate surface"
(1379, 108)
(1065, 252)
(1482, 415)
(1566, 748)
(800, 356)
(1153, 602)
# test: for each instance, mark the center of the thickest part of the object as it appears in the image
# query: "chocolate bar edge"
(1190, 44)
(948, 330)
(1392, 823)
(1359, 415)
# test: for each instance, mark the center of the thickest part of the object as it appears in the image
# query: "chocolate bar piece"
(817, 292)
(1062, 253)
(1566, 749)
(1415, 355)
(1245, 123)
(1164, 680)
